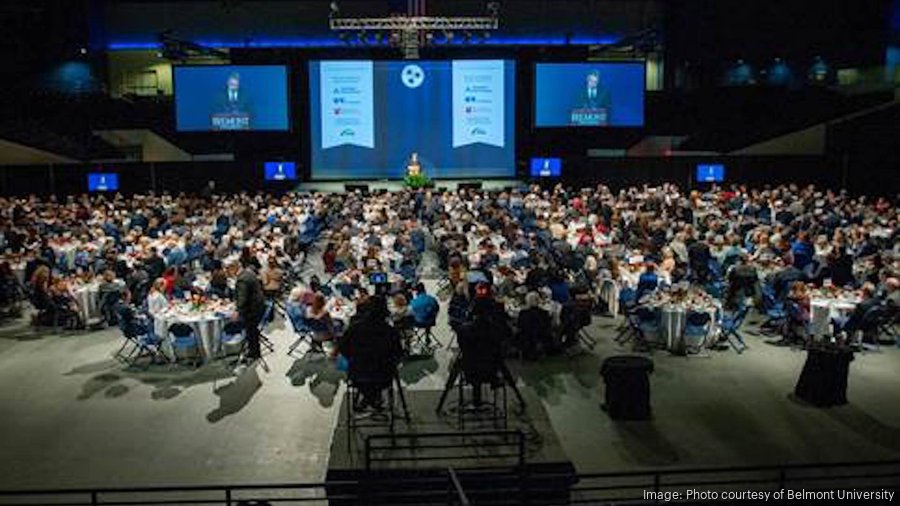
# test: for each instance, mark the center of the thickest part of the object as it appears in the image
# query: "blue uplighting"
(318, 42)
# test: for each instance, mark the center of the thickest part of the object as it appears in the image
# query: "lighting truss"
(415, 23)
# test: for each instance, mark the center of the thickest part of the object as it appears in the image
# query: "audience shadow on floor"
(865, 425)
(320, 373)
(234, 396)
(107, 376)
(548, 377)
(414, 371)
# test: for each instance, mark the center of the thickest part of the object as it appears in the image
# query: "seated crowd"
(550, 258)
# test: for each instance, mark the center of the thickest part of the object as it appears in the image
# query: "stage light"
(448, 36)
(334, 10)
(379, 37)
(467, 37)
(363, 37)
(493, 9)
(83, 50)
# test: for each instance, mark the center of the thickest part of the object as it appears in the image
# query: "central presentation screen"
(231, 97)
(589, 94)
(378, 119)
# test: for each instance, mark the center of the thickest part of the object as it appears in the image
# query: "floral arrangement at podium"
(415, 178)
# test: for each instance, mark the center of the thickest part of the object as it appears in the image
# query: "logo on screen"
(347, 132)
(412, 76)
(478, 131)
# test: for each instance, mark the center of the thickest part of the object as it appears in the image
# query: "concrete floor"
(71, 416)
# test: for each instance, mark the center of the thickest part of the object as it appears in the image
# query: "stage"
(397, 185)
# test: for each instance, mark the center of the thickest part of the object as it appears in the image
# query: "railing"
(482, 487)
(448, 447)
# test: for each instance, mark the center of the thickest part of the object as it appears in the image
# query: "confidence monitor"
(103, 182)
(710, 173)
(220, 98)
(280, 171)
(383, 119)
(589, 94)
(546, 167)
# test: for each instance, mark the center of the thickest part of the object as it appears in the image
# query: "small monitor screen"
(281, 171)
(378, 278)
(546, 167)
(710, 173)
(103, 182)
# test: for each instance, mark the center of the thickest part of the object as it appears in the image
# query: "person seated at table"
(111, 291)
(157, 302)
(401, 314)
(218, 285)
(271, 278)
(248, 259)
(534, 328)
(372, 348)
(65, 305)
(854, 322)
(648, 281)
(802, 251)
(559, 288)
(424, 307)
(319, 320)
(329, 258)
(796, 328)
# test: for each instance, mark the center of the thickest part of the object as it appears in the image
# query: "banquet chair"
(729, 326)
(267, 317)
(698, 325)
(138, 332)
(646, 321)
(773, 309)
(303, 332)
(185, 342)
(233, 337)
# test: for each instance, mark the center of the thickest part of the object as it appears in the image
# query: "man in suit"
(595, 95)
(233, 100)
(250, 303)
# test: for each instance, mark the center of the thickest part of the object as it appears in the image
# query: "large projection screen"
(589, 94)
(369, 118)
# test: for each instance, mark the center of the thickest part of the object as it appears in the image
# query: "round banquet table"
(822, 311)
(673, 318)
(553, 308)
(208, 324)
(87, 297)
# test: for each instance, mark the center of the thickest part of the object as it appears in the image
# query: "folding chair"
(303, 332)
(185, 342)
(729, 325)
(139, 333)
(697, 328)
(267, 317)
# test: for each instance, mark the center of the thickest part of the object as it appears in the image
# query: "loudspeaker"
(469, 186)
(351, 188)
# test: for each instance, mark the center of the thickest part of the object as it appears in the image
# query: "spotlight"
(334, 10)
(448, 36)
(467, 37)
(379, 37)
(83, 51)
(363, 37)
(493, 8)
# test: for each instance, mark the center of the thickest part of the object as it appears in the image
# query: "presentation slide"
(280, 171)
(589, 94)
(231, 98)
(383, 119)
(103, 182)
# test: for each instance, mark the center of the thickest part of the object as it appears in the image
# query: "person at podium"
(592, 106)
(413, 166)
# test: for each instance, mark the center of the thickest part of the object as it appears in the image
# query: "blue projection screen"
(231, 98)
(589, 94)
(368, 118)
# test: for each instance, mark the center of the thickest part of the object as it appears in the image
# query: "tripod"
(456, 369)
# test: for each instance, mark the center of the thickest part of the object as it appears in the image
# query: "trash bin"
(627, 387)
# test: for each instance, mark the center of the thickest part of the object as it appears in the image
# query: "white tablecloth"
(88, 299)
(208, 325)
(823, 310)
(673, 318)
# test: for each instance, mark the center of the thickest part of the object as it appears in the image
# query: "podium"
(589, 117)
(230, 121)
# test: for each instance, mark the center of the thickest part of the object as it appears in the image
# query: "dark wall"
(826, 172)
